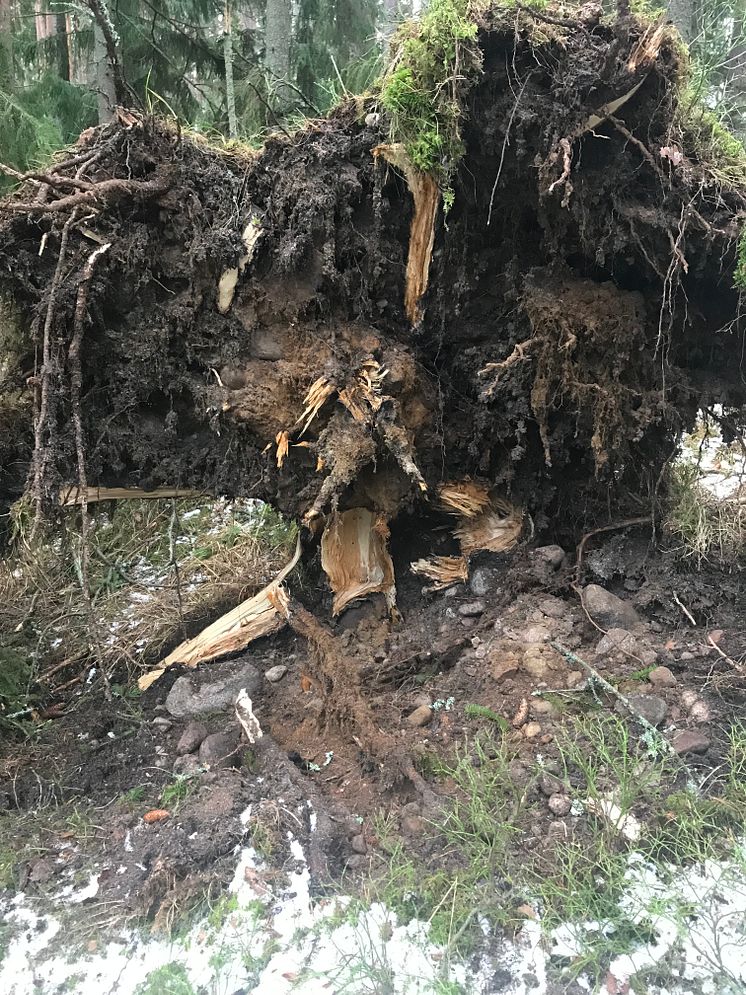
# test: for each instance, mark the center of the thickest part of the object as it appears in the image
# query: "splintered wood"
(355, 558)
(484, 522)
(73, 495)
(426, 195)
(443, 571)
(252, 619)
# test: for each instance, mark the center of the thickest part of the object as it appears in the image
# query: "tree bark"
(6, 51)
(277, 35)
(105, 89)
(230, 93)
(682, 14)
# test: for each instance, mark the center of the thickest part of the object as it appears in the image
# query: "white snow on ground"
(275, 944)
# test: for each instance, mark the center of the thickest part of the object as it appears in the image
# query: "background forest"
(236, 68)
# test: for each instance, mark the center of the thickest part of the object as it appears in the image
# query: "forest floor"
(554, 843)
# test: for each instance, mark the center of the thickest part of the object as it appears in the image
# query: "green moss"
(435, 62)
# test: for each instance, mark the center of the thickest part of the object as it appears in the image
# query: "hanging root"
(345, 699)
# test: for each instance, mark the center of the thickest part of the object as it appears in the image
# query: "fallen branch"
(610, 689)
(736, 666)
(74, 495)
(232, 632)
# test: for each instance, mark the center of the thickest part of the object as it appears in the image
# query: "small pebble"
(531, 730)
(275, 674)
(471, 609)
(420, 716)
(662, 677)
(559, 805)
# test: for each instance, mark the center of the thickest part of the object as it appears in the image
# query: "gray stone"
(554, 607)
(482, 581)
(662, 677)
(624, 642)
(220, 750)
(551, 555)
(650, 706)
(191, 738)
(275, 674)
(690, 741)
(559, 804)
(607, 610)
(357, 861)
(372, 120)
(162, 722)
(471, 609)
(420, 716)
(184, 702)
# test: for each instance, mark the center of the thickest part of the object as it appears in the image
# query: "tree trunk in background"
(105, 88)
(277, 33)
(63, 47)
(230, 93)
(682, 14)
(6, 52)
(735, 80)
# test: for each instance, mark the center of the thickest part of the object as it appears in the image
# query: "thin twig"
(610, 689)
(736, 666)
(685, 610)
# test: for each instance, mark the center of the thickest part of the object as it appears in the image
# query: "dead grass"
(159, 570)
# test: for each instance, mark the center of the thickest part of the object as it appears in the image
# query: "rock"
(535, 664)
(358, 844)
(471, 609)
(191, 738)
(540, 707)
(661, 677)
(162, 722)
(482, 581)
(220, 750)
(188, 764)
(559, 804)
(689, 698)
(574, 677)
(420, 716)
(183, 702)
(411, 808)
(536, 634)
(412, 825)
(558, 830)
(551, 555)
(372, 120)
(553, 608)
(275, 674)
(531, 730)
(607, 610)
(715, 635)
(550, 785)
(519, 772)
(686, 656)
(700, 712)
(690, 741)
(650, 706)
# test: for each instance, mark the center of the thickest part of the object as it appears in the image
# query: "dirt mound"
(237, 322)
